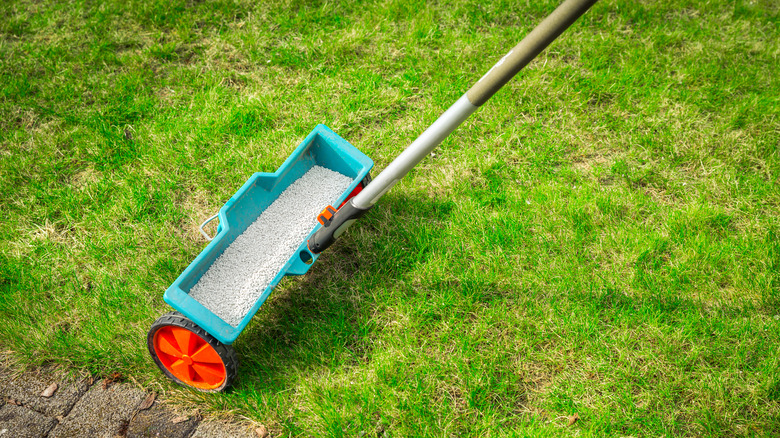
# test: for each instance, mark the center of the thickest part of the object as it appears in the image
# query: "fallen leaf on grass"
(573, 418)
(48, 392)
(261, 432)
(178, 420)
(12, 401)
(114, 377)
(147, 403)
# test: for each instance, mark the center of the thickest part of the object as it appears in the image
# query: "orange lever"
(326, 215)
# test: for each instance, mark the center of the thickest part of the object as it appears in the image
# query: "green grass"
(601, 238)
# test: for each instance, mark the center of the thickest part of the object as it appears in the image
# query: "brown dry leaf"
(573, 418)
(114, 377)
(261, 432)
(48, 392)
(178, 420)
(12, 401)
(147, 403)
(59, 418)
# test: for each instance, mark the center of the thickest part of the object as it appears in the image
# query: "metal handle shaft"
(514, 61)
(527, 49)
(517, 58)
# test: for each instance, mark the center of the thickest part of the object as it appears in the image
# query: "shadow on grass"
(323, 320)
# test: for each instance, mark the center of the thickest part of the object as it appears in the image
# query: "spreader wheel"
(189, 356)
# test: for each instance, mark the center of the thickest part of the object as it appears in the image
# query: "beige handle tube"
(527, 49)
(549, 29)
(539, 38)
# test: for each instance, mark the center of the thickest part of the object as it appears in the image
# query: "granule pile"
(244, 270)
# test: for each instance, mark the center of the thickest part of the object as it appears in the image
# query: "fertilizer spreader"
(275, 225)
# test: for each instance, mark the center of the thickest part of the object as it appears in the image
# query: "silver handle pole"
(517, 58)
(494, 79)
(438, 131)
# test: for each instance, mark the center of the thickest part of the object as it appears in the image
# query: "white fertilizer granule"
(236, 279)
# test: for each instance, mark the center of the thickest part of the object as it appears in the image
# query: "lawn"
(601, 238)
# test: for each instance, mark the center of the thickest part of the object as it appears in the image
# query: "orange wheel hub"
(189, 358)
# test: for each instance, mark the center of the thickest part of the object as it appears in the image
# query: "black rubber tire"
(226, 352)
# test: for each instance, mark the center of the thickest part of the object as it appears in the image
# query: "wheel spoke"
(209, 373)
(167, 345)
(206, 354)
(184, 339)
(183, 371)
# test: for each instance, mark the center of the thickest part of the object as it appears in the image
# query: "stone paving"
(37, 405)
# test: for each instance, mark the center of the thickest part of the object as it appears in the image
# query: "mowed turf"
(602, 238)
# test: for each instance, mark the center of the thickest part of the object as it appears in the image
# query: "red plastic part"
(188, 357)
(354, 192)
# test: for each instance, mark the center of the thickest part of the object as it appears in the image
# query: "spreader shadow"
(323, 320)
